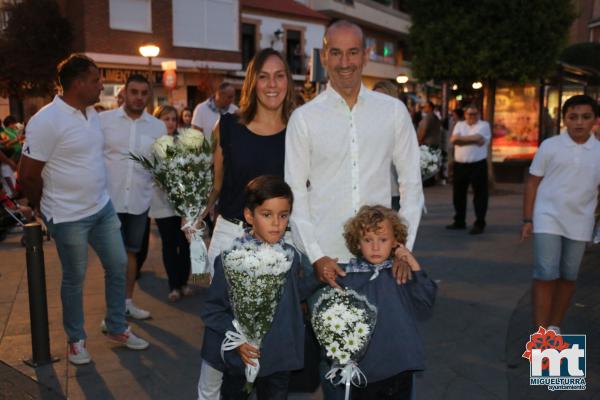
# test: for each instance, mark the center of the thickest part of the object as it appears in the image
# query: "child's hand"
(526, 231)
(248, 352)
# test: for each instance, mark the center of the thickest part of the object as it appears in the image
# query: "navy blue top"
(246, 156)
(282, 348)
(396, 344)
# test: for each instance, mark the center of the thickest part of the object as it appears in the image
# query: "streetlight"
(477, 85)
(150, 51)
(402, 79)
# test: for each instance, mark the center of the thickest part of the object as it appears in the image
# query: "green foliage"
(463, 40)
(35, 39)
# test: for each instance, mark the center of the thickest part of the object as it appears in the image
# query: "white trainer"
(131, 311)
(554, 329)
(129, 339)
(78, 354)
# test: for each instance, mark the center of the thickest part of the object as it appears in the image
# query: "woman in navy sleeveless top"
(246, 145)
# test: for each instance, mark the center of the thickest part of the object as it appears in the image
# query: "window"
(383, 51)
(294, 53)
(208, 24)
(131, 15)
(399, 5)
(248, 43)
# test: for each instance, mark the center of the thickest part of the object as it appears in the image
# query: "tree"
(36, 38)
(487, 40)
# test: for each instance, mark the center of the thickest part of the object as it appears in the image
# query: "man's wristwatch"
(527, 221)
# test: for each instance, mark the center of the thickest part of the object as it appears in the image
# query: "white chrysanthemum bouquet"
(256, 274)
(182, 169)
(431, 160)
(343, 322)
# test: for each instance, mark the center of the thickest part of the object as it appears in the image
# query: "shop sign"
(169, 79)
(116, 75)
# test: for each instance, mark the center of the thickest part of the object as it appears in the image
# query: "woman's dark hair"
(9, 120)
(249, 100)
(266, 187)
(72, 68)
(580, 100)
(180, 122)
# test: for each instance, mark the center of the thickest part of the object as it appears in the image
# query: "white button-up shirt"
(472, 152)
(346, 156)
(70, 144)
(130, 186)
(567, 195)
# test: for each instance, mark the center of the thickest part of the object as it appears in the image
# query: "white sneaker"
(78, 354)
(554, 329)
(132, 311)
(129, 340)
(103, 327)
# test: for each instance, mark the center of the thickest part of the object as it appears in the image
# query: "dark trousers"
(270, 387)
(143, 253)
(397, 387)
(474, 174)
(175, 251)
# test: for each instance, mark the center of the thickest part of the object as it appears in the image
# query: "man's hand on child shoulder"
(404, 264)
(327, 271)
(248, 353)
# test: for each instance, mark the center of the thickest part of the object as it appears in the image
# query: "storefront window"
(516, 122)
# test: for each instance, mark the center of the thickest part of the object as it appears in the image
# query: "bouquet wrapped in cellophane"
(431, 161)
(255, 273)
(343, 322)
(182, 168)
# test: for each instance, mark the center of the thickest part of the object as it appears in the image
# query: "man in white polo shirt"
(207, 113)
(62, 170)
(561, 196)
(470, 138)
(131, 130)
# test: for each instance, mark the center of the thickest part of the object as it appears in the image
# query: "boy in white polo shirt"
(559, 204)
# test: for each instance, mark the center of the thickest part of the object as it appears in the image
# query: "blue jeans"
(102, 232)
(556, 256)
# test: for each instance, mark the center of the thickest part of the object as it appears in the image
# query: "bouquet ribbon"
(233, 340)
(349, 374)
(198, 252)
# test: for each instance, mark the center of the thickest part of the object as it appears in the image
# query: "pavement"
(474, 340)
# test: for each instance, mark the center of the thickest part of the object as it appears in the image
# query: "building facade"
(200, 38)
(288, 26)
(385, 24)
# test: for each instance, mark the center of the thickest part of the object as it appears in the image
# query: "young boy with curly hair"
(395, 350)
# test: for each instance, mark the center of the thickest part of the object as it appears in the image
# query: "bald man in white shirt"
(343, 142)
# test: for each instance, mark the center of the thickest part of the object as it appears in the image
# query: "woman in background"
(175, 247)
(185, 118)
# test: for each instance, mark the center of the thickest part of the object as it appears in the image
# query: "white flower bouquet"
(182, 169)
(255, 273)
(431, 160)
(343, 322)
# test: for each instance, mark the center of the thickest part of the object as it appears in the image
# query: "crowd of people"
(320, 179)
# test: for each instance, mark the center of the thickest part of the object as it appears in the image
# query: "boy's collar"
(248, 237)
(571, 143)
(362, 265)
